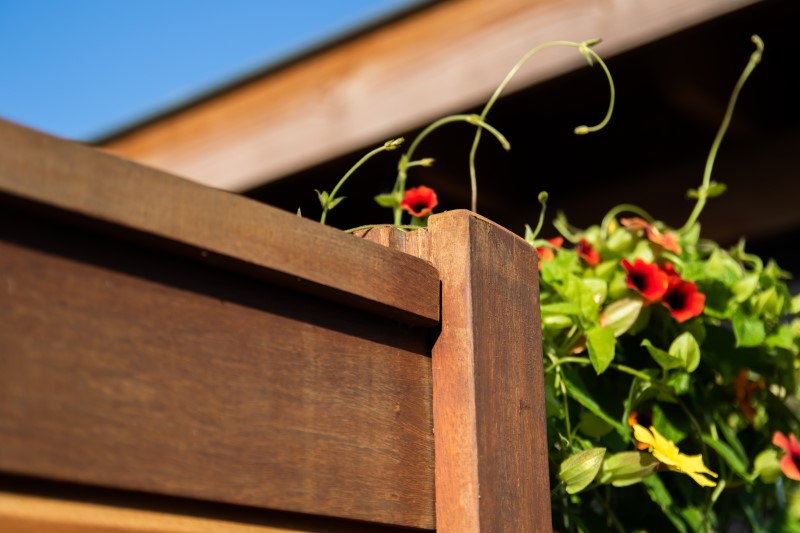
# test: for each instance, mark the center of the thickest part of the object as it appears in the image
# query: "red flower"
(419, 201)
(545, 253)
(682, 298)
(790, 464)
(646, 279)
(666, 240)
(588, 253)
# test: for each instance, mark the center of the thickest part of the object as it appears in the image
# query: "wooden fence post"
(490, 436)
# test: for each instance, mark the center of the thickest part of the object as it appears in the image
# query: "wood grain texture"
(128, 368)
(488, 383)
(445, 58)
(31, 514)
(39, 506)
(213, 226)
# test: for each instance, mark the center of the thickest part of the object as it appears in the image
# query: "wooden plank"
(445, 58)
(488, 381)
(34, 506)
(126, 368)
(31, 514)
(215, 227)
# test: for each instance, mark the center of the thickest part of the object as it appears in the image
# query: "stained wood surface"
(21, 513)
(213, 226)
(445, 58)
(128, 368)
(38, 506)
(488, 384)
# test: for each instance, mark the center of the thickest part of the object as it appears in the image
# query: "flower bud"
(626, 468)
(580, 469)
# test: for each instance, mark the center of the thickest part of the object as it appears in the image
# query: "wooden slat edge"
(216, 226)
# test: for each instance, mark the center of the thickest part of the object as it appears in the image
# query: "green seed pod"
(580, 469)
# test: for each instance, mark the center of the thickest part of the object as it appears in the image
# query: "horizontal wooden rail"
(125, 368)
(214, 226)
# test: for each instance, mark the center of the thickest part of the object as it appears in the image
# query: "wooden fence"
(179, 358)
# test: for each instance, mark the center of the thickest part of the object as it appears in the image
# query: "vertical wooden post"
(488, 388)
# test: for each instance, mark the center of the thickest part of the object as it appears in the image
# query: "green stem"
(621, 208)
(387, 146)
(616, 366)
(567, 423)
(405, 161)
(587, 52)
(702, 195)
(542, 200)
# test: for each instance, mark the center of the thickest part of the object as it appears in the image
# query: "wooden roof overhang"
(442, 58)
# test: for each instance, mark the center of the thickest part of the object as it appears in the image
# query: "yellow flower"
(668, 454)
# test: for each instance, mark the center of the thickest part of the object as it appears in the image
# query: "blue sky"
(83, 68)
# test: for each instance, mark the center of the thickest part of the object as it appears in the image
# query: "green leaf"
(643, 251)
(387, 200)
(618, 287)
(719, 299)
(593, 426)
(598, 288)
(601, 343)
(728, 455)
(749, 330)
(580, 469)
(680, 382)
(621, 315)
(714, 189)
(795, 306)
(323, 198)
(626, 468)
(335, 202)
(663, 499)
(695, 518)
(768, 303)
(686, 349)
(721, 266)
(692, 235)
(668, 424)
(561, 308)
(575, 291)
(551, 403)
(620, 241)
(577, 392)
(607, 269)
(529, 236)
(730, 436)
(664, 359)
(783, 338)
(772, 270)
(767, 466)
(745, 287)
(556, 321)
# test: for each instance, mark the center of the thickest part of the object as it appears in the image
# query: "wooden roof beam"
(447, 57)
